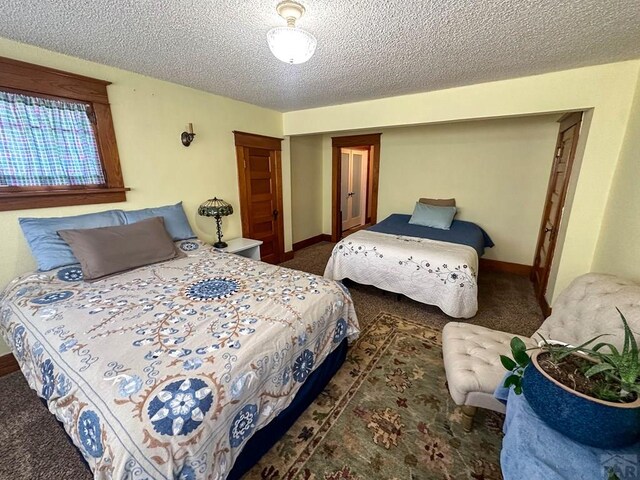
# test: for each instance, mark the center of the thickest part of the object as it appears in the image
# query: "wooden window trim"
(30, 79)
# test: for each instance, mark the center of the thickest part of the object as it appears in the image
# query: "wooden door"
(353, 190)
(260, 184)
(556, 193)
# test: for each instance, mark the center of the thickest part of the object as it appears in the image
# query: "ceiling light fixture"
(291, 44)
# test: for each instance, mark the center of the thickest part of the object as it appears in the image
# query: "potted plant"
(590, 393)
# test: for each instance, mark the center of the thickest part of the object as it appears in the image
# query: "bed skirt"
(267, 437)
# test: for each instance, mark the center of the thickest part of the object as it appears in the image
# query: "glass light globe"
(291, 44)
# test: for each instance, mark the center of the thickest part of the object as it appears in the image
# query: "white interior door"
(354, 169)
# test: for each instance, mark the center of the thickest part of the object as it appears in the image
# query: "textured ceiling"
(366, 48)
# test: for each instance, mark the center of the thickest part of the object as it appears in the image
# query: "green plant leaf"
(508, 363)
(614, 350)
(542, 338)
(566, 351)
(598, 346)
(512, 380)
(522, 357)
(598, 368)
(630, 338)
(517, 345)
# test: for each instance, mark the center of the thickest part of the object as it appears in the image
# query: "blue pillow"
(431, 216)
(49, 249)
(175, 220)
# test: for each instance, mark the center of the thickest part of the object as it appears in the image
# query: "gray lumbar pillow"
(107, 250)
(439, 202)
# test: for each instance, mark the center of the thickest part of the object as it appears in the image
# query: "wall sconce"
(187, 137)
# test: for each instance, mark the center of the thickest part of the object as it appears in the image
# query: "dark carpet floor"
(506, 302)
(34, 446)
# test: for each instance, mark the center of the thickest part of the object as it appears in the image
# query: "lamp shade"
(215, 207)
(291, 44)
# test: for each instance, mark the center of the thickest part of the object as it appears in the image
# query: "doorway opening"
(552, 216)
(355, 174)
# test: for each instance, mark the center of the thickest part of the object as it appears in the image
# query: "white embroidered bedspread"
(429, 271)
(166, 372)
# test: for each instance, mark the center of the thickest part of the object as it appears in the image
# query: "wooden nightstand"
(245, 247)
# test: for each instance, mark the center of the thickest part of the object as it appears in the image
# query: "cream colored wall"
(148, 117)
(619, 244)
(497, 170)
(306, 186)
(607, 89)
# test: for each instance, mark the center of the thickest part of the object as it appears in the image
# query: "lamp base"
(220, 245)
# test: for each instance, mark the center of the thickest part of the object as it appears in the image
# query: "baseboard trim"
(8, 364)
(346, 233)
(288, 256)
(323, 237)
(506, 267)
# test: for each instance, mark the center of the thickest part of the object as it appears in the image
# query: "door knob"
(548, 229)
(275, 214)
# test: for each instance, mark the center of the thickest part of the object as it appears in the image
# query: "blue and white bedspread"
(429, 271)
(166, 371)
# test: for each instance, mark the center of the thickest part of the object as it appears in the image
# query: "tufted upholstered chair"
(586, 308)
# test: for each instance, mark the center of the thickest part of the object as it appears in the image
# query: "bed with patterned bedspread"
(430, 271)
(166, 371)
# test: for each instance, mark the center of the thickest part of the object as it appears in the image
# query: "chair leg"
(468, 412)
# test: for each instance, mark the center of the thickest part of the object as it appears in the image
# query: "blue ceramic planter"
(586, 420)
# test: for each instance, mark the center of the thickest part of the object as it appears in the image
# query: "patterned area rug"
(387, 414)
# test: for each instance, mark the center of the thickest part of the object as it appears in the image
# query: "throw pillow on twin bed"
(434, 217)
(107, 250)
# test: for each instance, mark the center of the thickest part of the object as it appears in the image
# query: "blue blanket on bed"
(464, 233)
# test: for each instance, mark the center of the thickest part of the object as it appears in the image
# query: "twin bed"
(431, 265)
(190, 368)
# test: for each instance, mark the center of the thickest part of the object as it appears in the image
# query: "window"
(57, 144)
(47, 142)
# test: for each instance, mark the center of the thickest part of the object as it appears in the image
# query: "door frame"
(252, 140)
(372, 143)
(566, 122)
